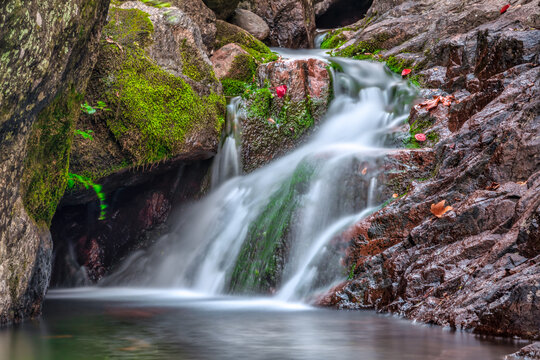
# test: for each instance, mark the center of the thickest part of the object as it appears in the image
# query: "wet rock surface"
(273, 126)
(139, 204)
(529, 352)
(477, 266)
(47, 52)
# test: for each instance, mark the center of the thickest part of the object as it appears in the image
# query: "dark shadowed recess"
(87, 249)
(342, 13)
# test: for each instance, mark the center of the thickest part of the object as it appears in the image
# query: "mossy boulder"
(162, 98)
(273, 126)
(47, 51)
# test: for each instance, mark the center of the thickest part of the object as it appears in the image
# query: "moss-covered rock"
(272, 125)
(259, 266)
(47, 51)
(163, 99)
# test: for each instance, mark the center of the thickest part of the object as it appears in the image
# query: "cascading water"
(269, 231)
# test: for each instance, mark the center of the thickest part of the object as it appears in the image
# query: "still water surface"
(171, 324)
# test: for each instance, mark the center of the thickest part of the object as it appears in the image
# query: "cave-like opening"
(342, 13)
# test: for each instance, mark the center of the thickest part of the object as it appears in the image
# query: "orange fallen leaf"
(395, 196)
(432, 104)
(494, 186)
(521, 183)
(271, 121)
(364, 171)
(439, 209)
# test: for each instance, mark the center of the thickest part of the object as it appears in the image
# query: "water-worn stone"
(291, 22)
(223, 59)
(47, 51)
(477, 266)
(292, 117)
(252, 23)
(529, 352)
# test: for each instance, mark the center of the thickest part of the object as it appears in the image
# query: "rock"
(202, 16)
(529, 352)
(475, 267)
(223, 8)
(224, 58)
(164, 100)
(243, 66)
(47, 54)
(88, 249)
(252, 23)
(291, 22)
(308, 95)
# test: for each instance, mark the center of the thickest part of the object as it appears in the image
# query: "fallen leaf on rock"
(439, 209)
(111, 41)
(521, 183)
(395, 196)
(504, 8)
(271, 121)
(432, 104)
(364, 171)
(493, 186)
(405, 72)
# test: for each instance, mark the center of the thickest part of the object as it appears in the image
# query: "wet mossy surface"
(152, 112)
(260, 263)
(46, 165)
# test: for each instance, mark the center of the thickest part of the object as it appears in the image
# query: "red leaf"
(504, 8)
(420, 137)
(405, 72)
(281, 91)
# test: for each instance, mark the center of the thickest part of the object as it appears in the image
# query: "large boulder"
(164, 101)
(47, 49)
(291, 22)
(474, 266)
(202, 16)
(273, 125)
(252, 23)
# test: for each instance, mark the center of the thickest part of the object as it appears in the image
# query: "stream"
(173, 301)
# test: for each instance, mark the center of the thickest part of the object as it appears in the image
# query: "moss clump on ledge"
(335, 38)
(46, 165)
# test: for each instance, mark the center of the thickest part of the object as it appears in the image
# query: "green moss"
(228, 33)
(47, 161)
(194, 66)
(153, 111)
(334, 39)
(417, 127)
(233, 87)
(263, 253)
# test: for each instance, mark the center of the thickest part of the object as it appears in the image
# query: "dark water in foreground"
(154, 324)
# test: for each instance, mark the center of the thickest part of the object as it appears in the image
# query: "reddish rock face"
(223, 59)
(478, 266)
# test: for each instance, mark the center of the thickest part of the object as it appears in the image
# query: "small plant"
(351, 272)
(85, 134)
(74, 179)
(91, 110)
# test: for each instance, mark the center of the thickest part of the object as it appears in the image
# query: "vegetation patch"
(260, 262)
(46, 165)
(420, 126)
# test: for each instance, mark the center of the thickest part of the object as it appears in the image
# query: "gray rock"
(252, 23)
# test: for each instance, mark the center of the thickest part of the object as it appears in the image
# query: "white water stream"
(202, 251)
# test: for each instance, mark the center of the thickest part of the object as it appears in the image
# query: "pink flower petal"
(420, 137)
(281, 91)
(405, 72)
(504, 8)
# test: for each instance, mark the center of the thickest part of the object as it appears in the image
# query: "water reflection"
(156, 324)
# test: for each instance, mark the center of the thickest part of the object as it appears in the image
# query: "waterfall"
(270, 231)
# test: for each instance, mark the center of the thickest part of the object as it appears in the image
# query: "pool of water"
(173, 324)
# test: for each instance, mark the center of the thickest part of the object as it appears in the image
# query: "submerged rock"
(273, 125)
(252, 23)
(476, 267)
(47, 53)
